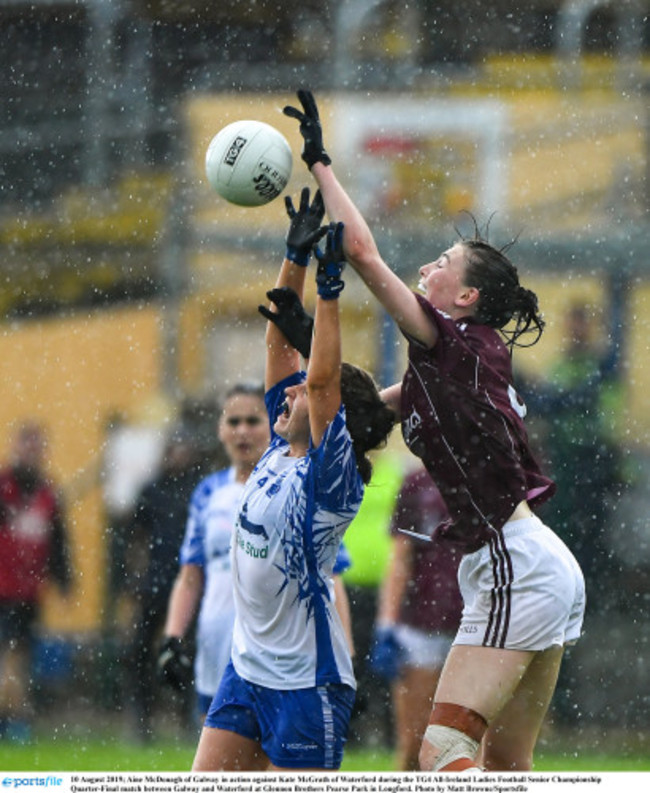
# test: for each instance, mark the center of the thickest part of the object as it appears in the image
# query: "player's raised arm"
(288, 331)
(360, 248)
(324, 370)
(392, 396)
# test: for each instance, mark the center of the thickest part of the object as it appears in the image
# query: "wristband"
(298, 256)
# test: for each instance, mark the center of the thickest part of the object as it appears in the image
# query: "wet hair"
(501, 297)
(368, 418)
(245, 388)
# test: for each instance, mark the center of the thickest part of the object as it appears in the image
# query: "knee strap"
(447, 714)
(452, 745)
(456, 733)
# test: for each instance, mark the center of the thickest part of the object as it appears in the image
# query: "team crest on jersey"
(30, 524)
(257, 531)
(411, 424)
(256, 552)
(248, 525)
(518, 404)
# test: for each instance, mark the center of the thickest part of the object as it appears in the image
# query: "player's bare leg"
(14, 696)
(412, 699)
(475, 685)
(222, 750)
(509, 742)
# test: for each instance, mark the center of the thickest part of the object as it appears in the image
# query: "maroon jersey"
(432, 601)
(27, 525)
(463, 418)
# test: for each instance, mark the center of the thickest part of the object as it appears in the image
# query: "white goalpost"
(407, 155)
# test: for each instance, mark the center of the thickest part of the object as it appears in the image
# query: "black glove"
(331, 262)
(291, 318)
(305, 228)
(174, 665)
(310, 128)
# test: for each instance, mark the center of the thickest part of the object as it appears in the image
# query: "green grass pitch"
(97, 753)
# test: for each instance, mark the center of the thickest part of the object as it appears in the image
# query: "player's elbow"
(361, 251)
(321, 384)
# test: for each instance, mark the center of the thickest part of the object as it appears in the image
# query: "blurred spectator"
(579, 405)
(201, 415)
(577, 410)
(132, 456)
(158, 527)
(419, 612)
(33, 548)
(368, 543)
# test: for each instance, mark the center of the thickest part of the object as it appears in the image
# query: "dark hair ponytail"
(501, 296)
(368, 418)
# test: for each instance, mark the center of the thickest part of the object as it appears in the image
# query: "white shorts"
(524, 591)
(422, 649)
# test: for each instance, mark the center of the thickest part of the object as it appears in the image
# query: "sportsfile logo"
(31, 781)
(235, 150)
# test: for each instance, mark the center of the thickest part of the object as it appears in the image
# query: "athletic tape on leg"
(451, 744)
(460, 718)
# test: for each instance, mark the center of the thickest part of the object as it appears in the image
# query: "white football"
(248, 163)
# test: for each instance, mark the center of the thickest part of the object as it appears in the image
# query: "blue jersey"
(293, 515)
(212, 513)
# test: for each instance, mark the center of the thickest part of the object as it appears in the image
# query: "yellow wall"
(638, 372)
(69, 374)
(556, 293)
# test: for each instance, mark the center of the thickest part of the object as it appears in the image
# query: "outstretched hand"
(310, 128)
(305, 228)
(291, 318)
(331, 262)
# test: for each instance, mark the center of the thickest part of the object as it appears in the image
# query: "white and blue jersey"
(294, 512)
(212, 513)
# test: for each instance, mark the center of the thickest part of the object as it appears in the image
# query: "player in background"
(419, 612)
(522, 589)
(204, 581)
(34, 549)
(286, 696)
